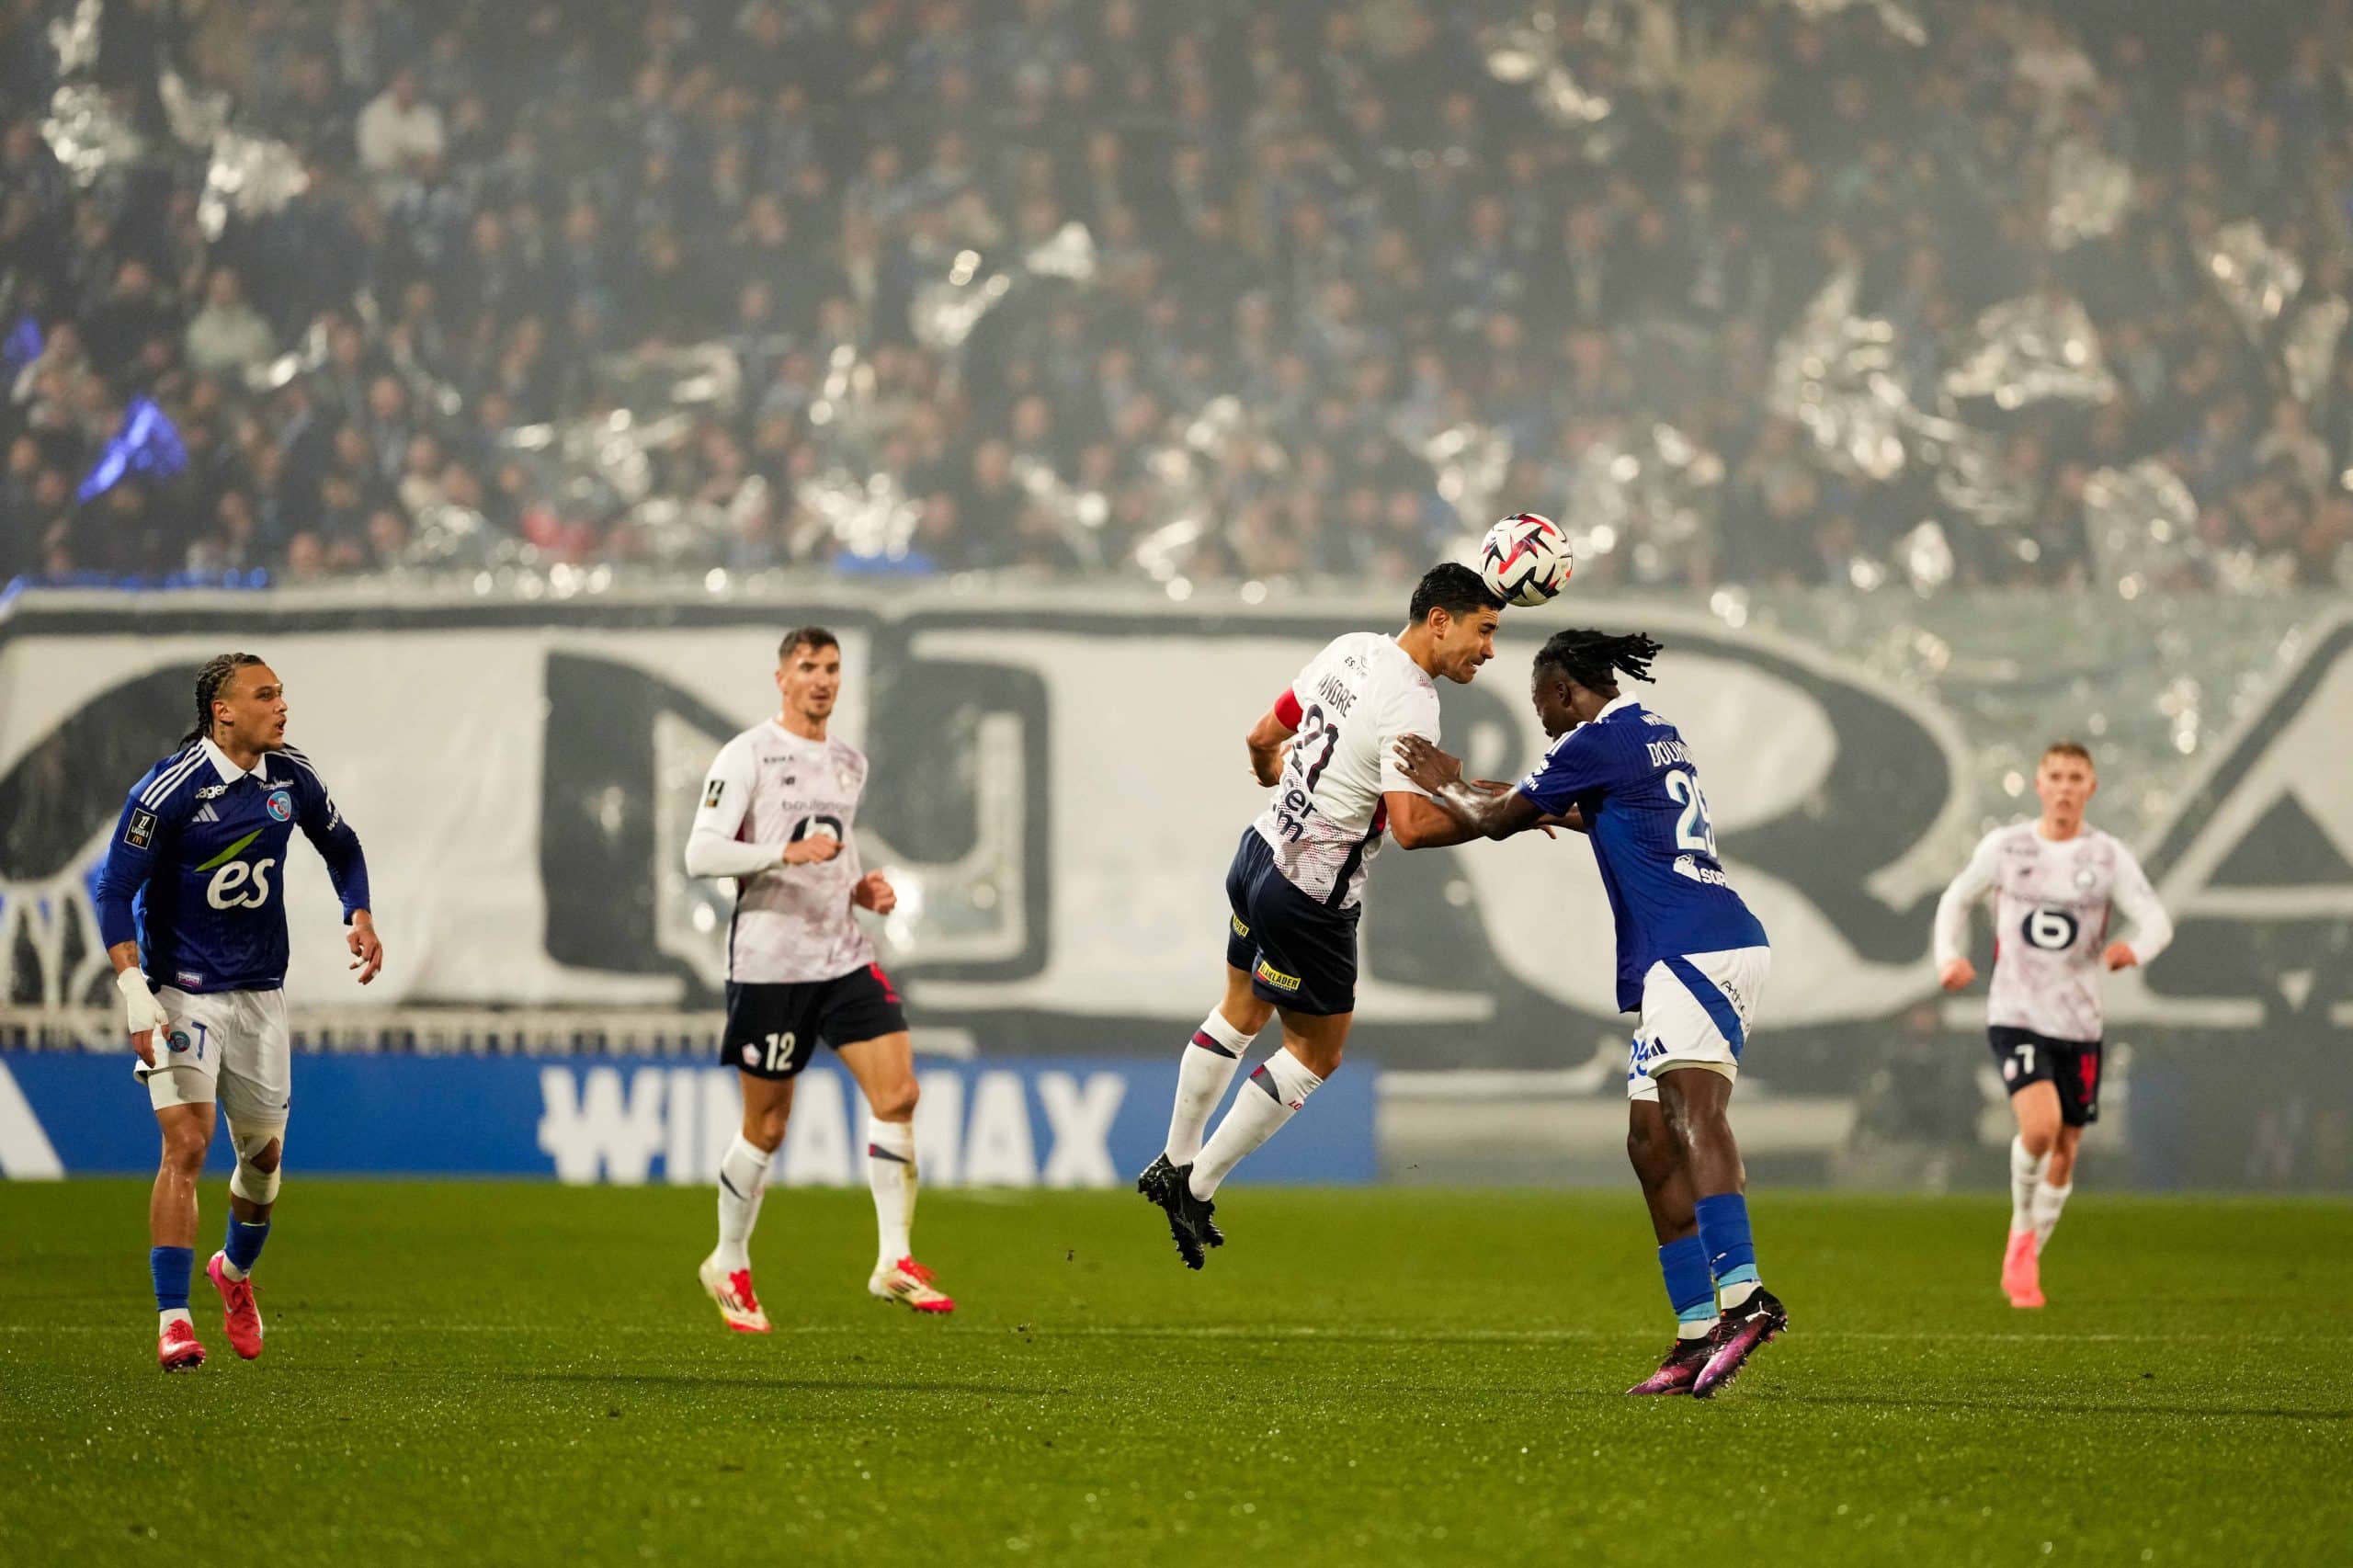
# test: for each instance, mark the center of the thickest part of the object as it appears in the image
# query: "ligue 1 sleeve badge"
(281, 806)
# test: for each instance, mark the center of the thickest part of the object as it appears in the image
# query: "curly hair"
(1595, 659)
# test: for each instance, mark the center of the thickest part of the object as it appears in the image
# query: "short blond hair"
(2069, 748)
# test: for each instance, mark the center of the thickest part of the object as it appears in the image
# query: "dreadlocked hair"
(1595, 659)
(216, 673)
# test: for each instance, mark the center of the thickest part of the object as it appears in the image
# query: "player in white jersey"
(775, 814)
(1296, 886)
(2054, 882)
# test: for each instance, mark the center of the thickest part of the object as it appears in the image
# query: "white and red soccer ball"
(1526, 559)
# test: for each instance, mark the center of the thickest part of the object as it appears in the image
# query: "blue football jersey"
(195, 872)
(1631, 776)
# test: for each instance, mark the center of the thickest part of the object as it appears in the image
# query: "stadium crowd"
(671, 281)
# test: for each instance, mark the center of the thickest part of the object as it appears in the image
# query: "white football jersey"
(1326, 819)
(2050, 923)
(770, 787)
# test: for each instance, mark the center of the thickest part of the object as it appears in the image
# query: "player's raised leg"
(727, 1274)
(1206, 1070)
(1275, 1091)
(885, 1070)
(1211, 1058)
(1696, 1100)
(2036, 1105)
(171, 1228)
(1682, 1258)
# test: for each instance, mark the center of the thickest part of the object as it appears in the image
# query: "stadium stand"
(1217, 290)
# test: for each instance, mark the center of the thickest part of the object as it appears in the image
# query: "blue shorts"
(1300, 954)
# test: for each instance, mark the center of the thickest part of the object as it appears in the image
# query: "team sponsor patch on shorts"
(711, 791)
(189, 977)
(1272, 976)
(141, 830)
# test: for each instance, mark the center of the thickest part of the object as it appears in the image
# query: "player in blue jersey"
(1691, 963)
(193, 891)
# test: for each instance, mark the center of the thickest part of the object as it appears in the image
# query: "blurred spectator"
(228, 335)
(399, 132)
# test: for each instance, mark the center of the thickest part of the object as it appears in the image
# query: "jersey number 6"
(2052, 930)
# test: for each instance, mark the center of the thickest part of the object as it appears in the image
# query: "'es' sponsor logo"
(240, 885)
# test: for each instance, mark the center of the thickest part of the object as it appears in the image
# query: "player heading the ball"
(1295, 890)
(1692, 961)
(193, 893)
(2055, 881)
(776, 814)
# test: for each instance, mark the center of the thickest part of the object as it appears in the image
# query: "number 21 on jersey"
(1310, 753)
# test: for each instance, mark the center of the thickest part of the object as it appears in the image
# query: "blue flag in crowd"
(21, 347)
(148, 446)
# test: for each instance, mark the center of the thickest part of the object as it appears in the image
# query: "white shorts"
(1696, 1013)
(230, 1046)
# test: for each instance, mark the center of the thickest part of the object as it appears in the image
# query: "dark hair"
(1454, 588)
(805, 636)
(216, 673)
(1595, 659)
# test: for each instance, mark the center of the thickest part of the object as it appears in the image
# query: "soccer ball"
(1526, 559)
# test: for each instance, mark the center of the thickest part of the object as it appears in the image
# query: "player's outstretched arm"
(1461, 810)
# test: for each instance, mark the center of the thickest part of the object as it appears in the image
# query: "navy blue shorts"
(772, 1028)
(2070, 1066)
(1300, 954)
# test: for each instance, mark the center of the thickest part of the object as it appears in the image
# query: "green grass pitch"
(523, 1374)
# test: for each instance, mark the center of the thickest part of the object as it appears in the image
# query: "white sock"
(2048, 1201)
(2026, 1174)
(890, 1172)
(164, 1320)
(743, 1179)
(1203, 1074)
(1273, 1095)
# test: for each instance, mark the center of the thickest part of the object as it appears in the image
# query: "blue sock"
(1690, 1290)
(170, 1266)
(1723, 1231)
(244, 1241)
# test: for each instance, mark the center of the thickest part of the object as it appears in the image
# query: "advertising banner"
(1056, 1123)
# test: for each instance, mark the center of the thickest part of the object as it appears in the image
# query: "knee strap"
(249, 1181)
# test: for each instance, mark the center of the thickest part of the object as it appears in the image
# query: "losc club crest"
(281, 806)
